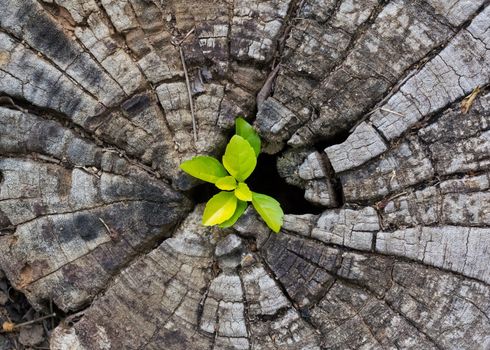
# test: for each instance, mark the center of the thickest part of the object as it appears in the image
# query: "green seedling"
(239, 161)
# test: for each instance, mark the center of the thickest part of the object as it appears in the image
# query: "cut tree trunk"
(379, 110)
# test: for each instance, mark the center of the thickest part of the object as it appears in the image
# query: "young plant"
(239, 162)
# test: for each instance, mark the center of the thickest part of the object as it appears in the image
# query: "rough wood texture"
(361, 100)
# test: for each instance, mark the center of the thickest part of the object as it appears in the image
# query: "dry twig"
(187, 82)
(266, 89)
(10, 326)
(189, 93)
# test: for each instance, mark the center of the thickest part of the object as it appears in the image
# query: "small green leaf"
(239, 158)
(240, 208)
(219, 208)
(242, 192)
(269, 209)
(227, 183)
(245, 130)
(205, 168)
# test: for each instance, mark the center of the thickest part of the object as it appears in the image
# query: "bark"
(361, 102)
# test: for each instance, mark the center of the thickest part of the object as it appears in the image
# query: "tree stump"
(378, 110)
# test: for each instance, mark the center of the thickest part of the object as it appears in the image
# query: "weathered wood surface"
(362, 99)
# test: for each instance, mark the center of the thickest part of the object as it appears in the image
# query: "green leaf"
(242, 192)
(227, 183)
(240, 208)
(239, 158)
(205, 168)
(219, 208)
(269, 209)
(245, 130)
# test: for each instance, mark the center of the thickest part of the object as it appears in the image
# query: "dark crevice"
(19, 103)
(202, 193)
(17, 305)
(266, 179)
(336, 139)
(339, 191)
(50, 307)
(248, 319)
(279, 314)
(200, 307)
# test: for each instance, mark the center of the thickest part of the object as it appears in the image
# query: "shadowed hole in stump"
(337, 139)
(265, 179)
(202, 193)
